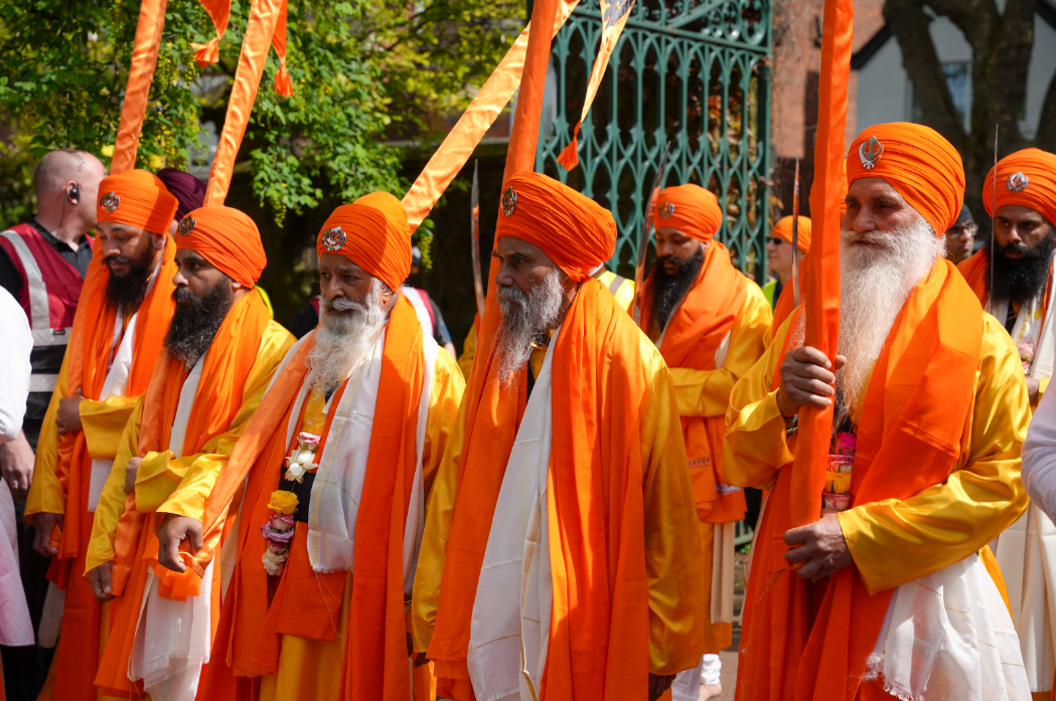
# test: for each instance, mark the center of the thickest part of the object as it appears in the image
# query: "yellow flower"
(282, 502)
(838, 482)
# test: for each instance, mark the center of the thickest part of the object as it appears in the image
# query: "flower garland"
(837, 494)
(301, 459)
(278, 531)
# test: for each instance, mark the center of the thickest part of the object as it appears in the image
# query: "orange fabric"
(1027, 178)
(478, 118)
(376, 654)
(266, 23)
(693, 333)
(599, 634)
(783, 230)
(975, 270)
(548, 214)
(282, 83)
(228, 239)
(136, 198)
(690, 209)
(219, 12)
(371, 234)
(920, 164)
(934, 349)
(137, 90)
(219, 398)
(785, 303)
(611, 27)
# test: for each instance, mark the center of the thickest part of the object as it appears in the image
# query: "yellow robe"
(179, 485)
(938, 526)
(310, 670)
(666, 484)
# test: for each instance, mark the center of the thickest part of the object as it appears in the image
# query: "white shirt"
(1039, 455)
(16, 343)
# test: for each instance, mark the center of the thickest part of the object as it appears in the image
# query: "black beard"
(668, 289)
(1021, 281)
(127, 292)
(196, 321)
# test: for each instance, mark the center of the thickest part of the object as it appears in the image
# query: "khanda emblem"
(109, 202)
(509, 201)
(667, 210)
(1017, 182)
(333, 239)
(870, 152)
(186, 226)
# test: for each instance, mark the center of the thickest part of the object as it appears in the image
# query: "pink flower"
(845, 443)
(308, 440)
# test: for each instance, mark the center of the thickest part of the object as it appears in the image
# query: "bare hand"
(420, 660)
(130, 474)
(821, 548)
(807, 378)
(68, 418)
(173, 531)
(44, 523)
(1033, 388)
(100, 578)
(16, 465)
(658, 685)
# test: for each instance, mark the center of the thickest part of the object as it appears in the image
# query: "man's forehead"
(872, 188)
(1019, 212)
(508, 245)
(332, 262)
(672, 233)
(190, 255)
(113, 227)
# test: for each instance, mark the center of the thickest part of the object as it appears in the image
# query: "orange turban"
(1026, 178)
(920, 164)
(689, 208)
(783, 230)
(576, 232)
(373, 233)
(843, 191)
(227, 238)
(136, 198)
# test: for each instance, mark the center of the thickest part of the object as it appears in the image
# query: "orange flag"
(614, 16)
(219, 12)
(140, 76)
(822, 266)
(267, 20)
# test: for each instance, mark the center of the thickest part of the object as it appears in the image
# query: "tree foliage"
(364, 75)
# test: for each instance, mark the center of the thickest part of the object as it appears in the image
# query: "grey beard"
(342, 341)
(875, 284)
(526, 319)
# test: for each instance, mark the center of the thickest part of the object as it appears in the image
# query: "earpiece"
(75, 192)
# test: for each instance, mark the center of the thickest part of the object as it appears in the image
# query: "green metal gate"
(692, 73)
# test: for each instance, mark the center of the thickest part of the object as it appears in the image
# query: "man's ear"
(159, 241)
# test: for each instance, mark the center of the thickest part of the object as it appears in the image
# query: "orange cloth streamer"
(611, 27)
(690, 209)
(576, 232)
(228, 239)
(376, 238)
(140, 76)
(231, 357)
(918, 162)
(266, 25)
(219, 12)
(783, 230)
(136, 198)
(1027, 178)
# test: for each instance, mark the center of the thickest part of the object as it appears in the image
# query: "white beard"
(526, 318)
(875, 282)
(343, 340)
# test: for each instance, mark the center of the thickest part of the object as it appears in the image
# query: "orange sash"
(599, 632)
(376, 653)
(915, 413)
(693, 335)
(225, 369)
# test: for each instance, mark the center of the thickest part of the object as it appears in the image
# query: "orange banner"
(481, 114)
(137, 91)
(267, 19)
(614, 17)
(219, 12)
(822, 267)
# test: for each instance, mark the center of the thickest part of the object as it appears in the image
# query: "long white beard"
(524, 319)
(343, 340)
(875, 282)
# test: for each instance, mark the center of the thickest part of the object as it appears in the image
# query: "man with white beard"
(337, 466)
(893, 591)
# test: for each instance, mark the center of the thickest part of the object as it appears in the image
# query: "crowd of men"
(223, 511)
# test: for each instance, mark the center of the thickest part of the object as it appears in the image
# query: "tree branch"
(1046, 136)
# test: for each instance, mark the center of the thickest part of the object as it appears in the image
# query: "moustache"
(117, 258)
(1013, 248)
(342, 304)
(184, 296)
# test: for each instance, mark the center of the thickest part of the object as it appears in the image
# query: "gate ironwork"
(695, 73)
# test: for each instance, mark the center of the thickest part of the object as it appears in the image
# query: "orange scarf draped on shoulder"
(87, 363)
(975, 270)
(376, 652)
(934, 349)
(786, 302)
(693, 335)
(599, 632)
(226, 366)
